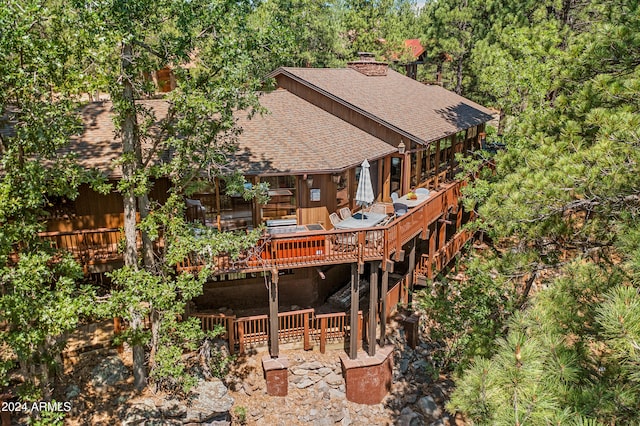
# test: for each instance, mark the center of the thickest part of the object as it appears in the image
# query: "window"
(396, 174)
(233, 210)
(342, 191)
(282, 198)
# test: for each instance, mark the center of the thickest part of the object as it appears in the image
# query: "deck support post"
(273, 313)
(383, 309)
(373, 307)
(412, 268)
(354, 323)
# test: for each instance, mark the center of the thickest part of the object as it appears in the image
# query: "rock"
(300, 371)
(409, 418)
(322, 386)
(439, 422)
(212, 403)
(336, 394)
(420, 366)
(72, 391)
(295, 379)
(246, 387)
(404, 365)
(333, 379)
(172, 408)
(428, 406)
(305, 383)
(110, 371)
(324, 421)
(410, 398)
(313, 365)
(324, 371)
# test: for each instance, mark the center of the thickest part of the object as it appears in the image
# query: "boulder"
(428, 407)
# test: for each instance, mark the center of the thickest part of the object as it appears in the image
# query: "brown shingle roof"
(297, 137)
(294, 136)
(423, 112)
(98, 145)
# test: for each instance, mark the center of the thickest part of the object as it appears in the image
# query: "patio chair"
(424, 191)
(394, 197)
(345, 213)
(346, 242)
(335, 219)
(400, 209)
(378, 208)
(375, 238)
(196, 212)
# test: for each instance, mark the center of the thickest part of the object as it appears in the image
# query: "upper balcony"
(429, 219)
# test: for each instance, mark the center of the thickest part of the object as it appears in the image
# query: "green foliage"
(240, 413)
(47, 418)
(465, 316)
(171, 372)
(571, 353)
(40, 298)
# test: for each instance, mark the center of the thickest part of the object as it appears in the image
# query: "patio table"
(414, 203)
(357, 221)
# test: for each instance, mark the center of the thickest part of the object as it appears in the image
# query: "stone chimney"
(368, 65)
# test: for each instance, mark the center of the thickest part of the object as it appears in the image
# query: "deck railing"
(286, 251)
(312, 248)
(293, 327)
(88, 246)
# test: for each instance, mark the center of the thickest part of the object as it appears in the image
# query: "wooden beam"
(373, 307)
(383, 308)
(386, 186)
(437, 165)
(273, 313)
(442, 237)
(354, 323)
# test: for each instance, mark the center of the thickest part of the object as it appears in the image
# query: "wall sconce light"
(309, 181)
(335, 179)
(401, 147)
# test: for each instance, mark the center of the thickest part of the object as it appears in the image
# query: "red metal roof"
(415, 46)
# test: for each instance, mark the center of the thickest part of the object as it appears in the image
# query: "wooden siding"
(91, 210)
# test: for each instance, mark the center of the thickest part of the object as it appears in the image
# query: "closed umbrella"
(364, 194)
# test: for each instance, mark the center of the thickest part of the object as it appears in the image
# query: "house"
(418, 57)
(320, 126)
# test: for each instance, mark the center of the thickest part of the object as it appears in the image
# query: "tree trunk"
(139, 372)
(130, 147)
(129, 141)
(155, 335)
(147, 244)
(501, 121)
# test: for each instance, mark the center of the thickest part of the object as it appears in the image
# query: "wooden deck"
(311, 248)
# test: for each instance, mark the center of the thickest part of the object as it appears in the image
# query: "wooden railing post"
(241, 336)
(231, 338)
(323, 334)
(307, 340)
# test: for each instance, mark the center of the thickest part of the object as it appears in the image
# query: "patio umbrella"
(364, 194)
